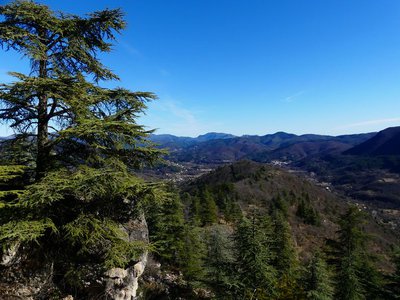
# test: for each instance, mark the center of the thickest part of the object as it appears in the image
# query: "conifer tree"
(394, 284)
(318, 281)
(193, 254)
(351, 239)
(209, 208)
(219, 262)
(253, 242)
(285, 255)
(357, 275)
(57, 105)
(86, 142)
(195, 210)
(166, 226)
(285, 260)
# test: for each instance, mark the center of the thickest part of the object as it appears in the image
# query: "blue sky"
(255, 66)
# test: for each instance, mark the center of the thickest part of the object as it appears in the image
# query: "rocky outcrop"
(10, 256)
(23, 277)
(122, 284)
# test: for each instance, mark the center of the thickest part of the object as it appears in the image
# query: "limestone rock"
(122, 284)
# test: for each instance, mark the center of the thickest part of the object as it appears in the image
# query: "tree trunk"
(42, 158)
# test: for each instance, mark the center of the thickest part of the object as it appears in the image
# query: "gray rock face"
(19, 282)
(122, 284)
(10, 256)
(27, 285)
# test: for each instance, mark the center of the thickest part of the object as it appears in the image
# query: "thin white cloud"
(293, 97)
(182, 113)
(130, 49)
(170, 116)
(370, 122)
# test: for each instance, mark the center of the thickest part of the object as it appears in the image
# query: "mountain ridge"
(223, 148)
(385, 142)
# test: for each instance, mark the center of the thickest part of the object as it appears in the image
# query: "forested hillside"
(252, 231)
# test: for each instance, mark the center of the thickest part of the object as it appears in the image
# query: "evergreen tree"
(394, 280)
(357, 275)
(318, 281)
(285, 255)
(219, 262)
(193, 254)
(351, 239)
(209, 208)
(253, 242)
(307, 212)
(280, 204)
(86, 142)
(195, 211)
(166, 226)
(70, 118)
(285, 260)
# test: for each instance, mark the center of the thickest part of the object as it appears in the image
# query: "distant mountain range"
(222, 148)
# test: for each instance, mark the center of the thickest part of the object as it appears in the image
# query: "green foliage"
(393, 286)
(280, 204)
(195, 210)
(18, 151)
(81, 140)
(285, 258)
(167, 227)
(102, 237)
(102, 186)
(225, 198)
(24, 231)
(71, 118)
(253, 256)
(209, 211)
(318, 279)
(10, 172)
(82, 210)
(11, 188)
(219, 263)
(357, 276)
(193, 254)
(209, 202)
(307, 212)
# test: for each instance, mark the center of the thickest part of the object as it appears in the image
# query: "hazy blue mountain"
(222, 147)
(214, 136)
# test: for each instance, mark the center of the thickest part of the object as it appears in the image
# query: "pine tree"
(193, 254)
(69, 118)
(253, 242)
(86, 143)
(307, 212)
(285, 261)
(166, 226)
(318, 281)
(285, 254)
(394, 280)
(219, 262)
(209, 208)
(351, 239)
(357, 275)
